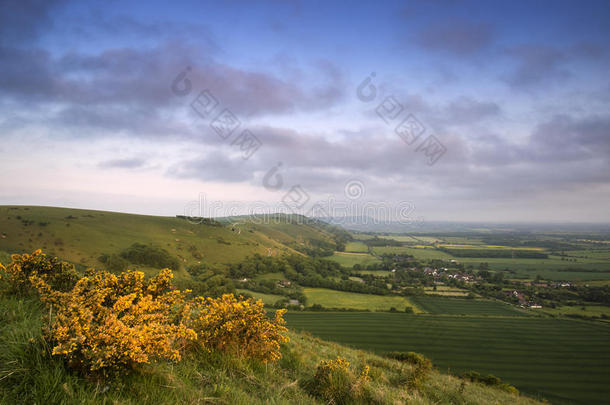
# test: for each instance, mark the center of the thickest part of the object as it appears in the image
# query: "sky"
(436, 110)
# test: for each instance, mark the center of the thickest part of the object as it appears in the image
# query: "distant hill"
(82, 236)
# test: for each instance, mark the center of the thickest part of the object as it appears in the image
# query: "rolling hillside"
(82, 236)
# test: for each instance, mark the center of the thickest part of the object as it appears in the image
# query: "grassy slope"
(83, 239)
(29, 375)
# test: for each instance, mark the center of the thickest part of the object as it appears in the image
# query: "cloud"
(22, 21)
(537, 65)
(130, 163)
(466, 110)
(461, 38)
(109, 88)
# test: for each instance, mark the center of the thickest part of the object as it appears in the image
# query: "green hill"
(82, 236)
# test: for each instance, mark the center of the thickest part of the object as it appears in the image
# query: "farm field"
(552, 268)
(349, 259)
(463, 306)
(356, 247)
(380, 273)
(268, 299)
(362, 236)
(565, 361)
(425, 253)
(399, 238)
(342, 299)
(487, 247)
(588, 310)
(381, 250)
(592, 254)
(447, 291)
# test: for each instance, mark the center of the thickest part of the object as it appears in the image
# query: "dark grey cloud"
(130, 163)
(536, 65)
(466, 110)
(564, 153)
(461, 38)
(21, 21)
(128, 79)
(564, 137)
(213, 166)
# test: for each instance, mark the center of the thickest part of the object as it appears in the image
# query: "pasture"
(268, 299)
(464, 306)
(349, 259)
(356, 247)
(343, 299)
(565, 361)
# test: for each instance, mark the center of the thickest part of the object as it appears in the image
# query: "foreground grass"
(28, 374)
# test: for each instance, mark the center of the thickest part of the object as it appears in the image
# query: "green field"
(592, 253)
(268, 299)
(564, 360)
(427, 253)
(399, 238)
(381, 250)
(379, 273)
(463, 306)
(588, 310)
(523, 267)
(356, 247)
(342, 299)
(349, 259)
(448, 291)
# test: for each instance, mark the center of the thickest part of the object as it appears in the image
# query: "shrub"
(114, 262)
(153, 256)
(420, 371)
(489, 380)
(112, 323)
(20, 273)
(238, 327)
(335, 383)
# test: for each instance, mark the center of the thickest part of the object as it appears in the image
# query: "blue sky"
(515, 93)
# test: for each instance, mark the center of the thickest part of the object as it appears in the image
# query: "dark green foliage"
(209, 281)
(420, 370)
(114, 263)
(152, 256)
(489, 380)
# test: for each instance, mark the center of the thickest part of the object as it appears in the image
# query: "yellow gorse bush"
(109, 323)
(57, 274)
(328, 367)
(238, 327)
